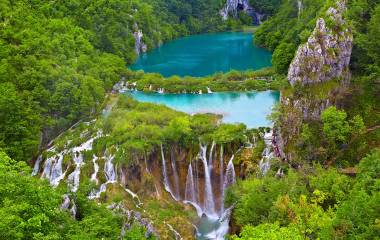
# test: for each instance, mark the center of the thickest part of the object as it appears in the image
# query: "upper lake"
(205, 54)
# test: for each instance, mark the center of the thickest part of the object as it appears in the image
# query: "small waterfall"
(52, 168)
(74, 178)
(264, 163)
(210, 157)
(161, 90)
(175, 174)
(56, 171)
(190, 187)
(299, 5)
(209, 204)
(197, 181)
(165, 175)
(229, 179)
(36, 168)
(109, 169)
(96, 170)
(221, 173)
(110, 174)
(208, 90)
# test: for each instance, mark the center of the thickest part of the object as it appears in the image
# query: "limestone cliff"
(319, 75)
(326, 54)
(232, 8)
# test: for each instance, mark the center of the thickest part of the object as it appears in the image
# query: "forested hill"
(58, 58)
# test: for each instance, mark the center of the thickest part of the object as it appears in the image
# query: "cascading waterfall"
(36, 167)
(190, 187)
(96, 169)
(221, 170)
(52, 168)
(190, 192)
(175, 174)
(211, 156)
(209, 204)
(165, 174)
(110, 174)
(229, 179)
(74, 178)
(267, 155)
(213, 224)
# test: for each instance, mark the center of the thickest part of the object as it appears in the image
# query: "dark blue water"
(205, 54)
(250, 108)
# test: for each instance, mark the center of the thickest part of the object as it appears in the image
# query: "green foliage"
(335, 125)
(263, 79)
(269, 7)
(29, 209)
(332, 206)
(337, 128)
(282, 57)
(58, 59)
(255, 197)
(283, 32)
(19, 133)
(269, 231)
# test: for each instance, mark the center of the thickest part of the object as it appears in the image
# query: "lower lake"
(250, 108)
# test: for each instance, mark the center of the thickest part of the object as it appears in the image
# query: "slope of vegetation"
(58, 59)
(329, 189)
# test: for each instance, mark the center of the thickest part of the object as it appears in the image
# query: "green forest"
(61, 60)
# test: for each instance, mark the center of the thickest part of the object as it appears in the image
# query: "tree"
(335, 125)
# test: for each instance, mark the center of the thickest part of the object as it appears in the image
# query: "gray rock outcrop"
(233, 6)
(326, 54)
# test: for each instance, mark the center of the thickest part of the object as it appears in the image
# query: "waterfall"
(190, 191)
(56, 171)
(110, 174)
(229, 179)
(210, 156)
(209, 204)
(36, 168)
(52, 168)
(175, 174)
(96, 170)
(267, 155)
(197, 181)
(208, 90)
(74, 178)
(190, 188)
(299, 4)
(165, 174)
(221, 173)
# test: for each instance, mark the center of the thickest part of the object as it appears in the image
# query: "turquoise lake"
(205, 54)
(250, 108)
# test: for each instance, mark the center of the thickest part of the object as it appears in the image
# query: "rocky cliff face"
(140, 46)
(326, 54)
(319, 75)
(233, 6)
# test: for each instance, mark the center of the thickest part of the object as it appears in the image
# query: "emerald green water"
(205, 54)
